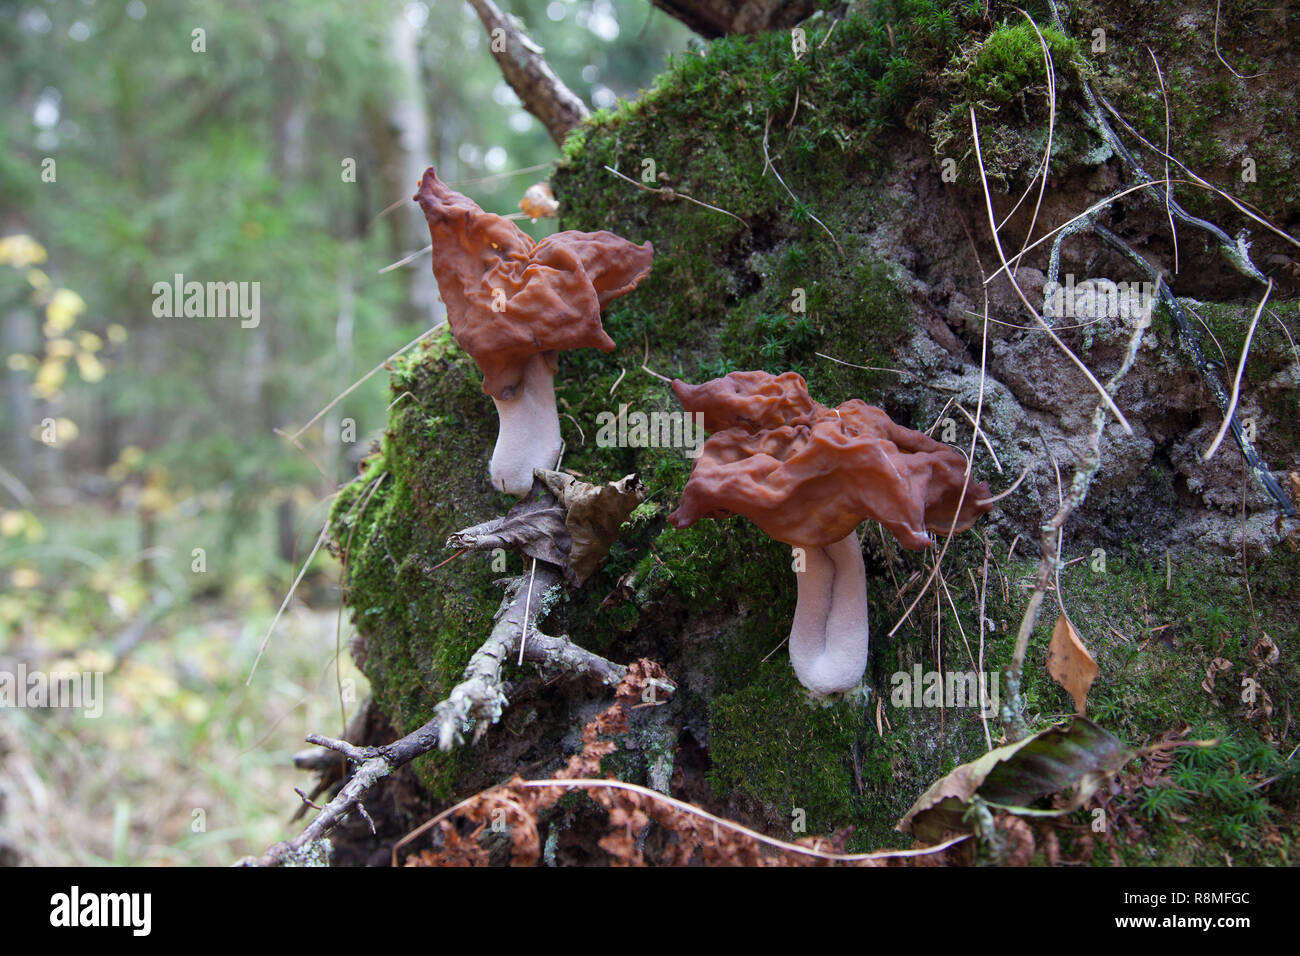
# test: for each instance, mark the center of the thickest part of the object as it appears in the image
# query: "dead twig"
(477, 700)
(1187, 338)
(529, 75)
(671, 194)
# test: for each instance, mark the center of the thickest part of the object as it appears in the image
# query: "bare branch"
(477, 699)
(522, 64)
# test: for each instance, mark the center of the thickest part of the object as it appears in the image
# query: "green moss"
(1216, 120)
(717, 599)
(798, 758)
(1011, 59)
(419, 626)
(1003, 78)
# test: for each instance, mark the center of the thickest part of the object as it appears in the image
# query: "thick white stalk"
(829, 637)
(529, 434)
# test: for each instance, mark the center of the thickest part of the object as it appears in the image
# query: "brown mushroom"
(808, 475)
(513, 303)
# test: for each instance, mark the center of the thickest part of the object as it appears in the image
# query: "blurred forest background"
(153, 511)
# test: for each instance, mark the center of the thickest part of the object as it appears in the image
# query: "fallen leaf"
(1077, 755)
(1263, 653)
(572, 530)
(1217, 666)
(594, 515)
(539, 202)
(534, 528)
(622, 589)
(1070, 664)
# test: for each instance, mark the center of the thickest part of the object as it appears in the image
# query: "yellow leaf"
(1070, 664)
(20, 251)
(90, 368)
(25, 578)
(60, 348)
(65, 305)
(21, 363)
(116, 333)
(49, 379)
(12, 523)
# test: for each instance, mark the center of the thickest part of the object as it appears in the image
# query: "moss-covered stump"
(848, 254)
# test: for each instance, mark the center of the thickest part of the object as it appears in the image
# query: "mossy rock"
(842, 255)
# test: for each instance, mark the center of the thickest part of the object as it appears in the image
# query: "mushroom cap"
(808, 475)
(550, 292)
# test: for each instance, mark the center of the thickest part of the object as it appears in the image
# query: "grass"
(187, 765)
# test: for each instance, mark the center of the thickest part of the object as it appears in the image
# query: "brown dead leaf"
(1070, 664)
(572, 526)
(623, 590)
(539, 202)
(1217, 666)
(533, 528)
(1263, 653)
(594, 515)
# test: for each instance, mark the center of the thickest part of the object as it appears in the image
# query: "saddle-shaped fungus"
(808, 475)
(513, 304)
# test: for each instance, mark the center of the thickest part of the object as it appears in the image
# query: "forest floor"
(187, 765)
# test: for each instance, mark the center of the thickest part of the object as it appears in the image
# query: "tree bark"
(715, 18)
(542, 92)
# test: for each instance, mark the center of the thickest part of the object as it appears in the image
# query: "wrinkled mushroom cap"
(808, 475)
(551, 292)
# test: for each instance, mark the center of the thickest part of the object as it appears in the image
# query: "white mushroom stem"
(828, 639)
(529, 434)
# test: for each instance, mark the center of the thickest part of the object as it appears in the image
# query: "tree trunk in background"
(402, 138)
(336, 464)
(19, 336)
(715, 18)
(289, 134)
